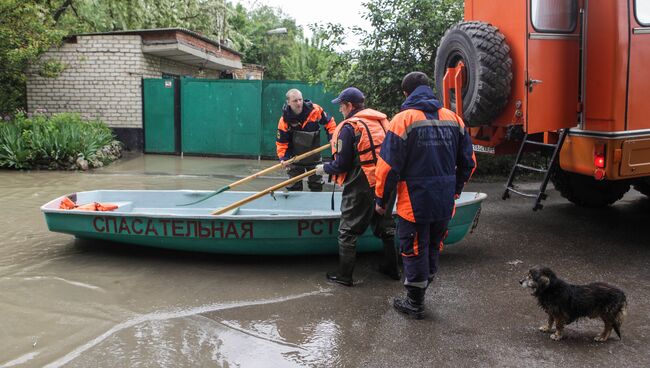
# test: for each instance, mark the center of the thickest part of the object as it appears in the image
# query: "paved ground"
(479, 316)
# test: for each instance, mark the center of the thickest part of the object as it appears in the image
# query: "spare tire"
(488, 69)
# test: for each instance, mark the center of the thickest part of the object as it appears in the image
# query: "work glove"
(320, 170)
(380, 210)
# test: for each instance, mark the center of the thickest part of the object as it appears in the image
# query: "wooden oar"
(260, 173)
(257, 195)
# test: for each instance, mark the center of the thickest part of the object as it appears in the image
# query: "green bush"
(494, 168)
(51, 142)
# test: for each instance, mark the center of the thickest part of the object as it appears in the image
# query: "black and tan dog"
(565, 303)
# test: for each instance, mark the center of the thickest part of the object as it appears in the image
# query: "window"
(642, 10)
(555, 16)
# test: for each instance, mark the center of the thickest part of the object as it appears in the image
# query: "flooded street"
(78, 303)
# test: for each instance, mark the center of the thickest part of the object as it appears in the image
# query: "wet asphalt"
(478, 315)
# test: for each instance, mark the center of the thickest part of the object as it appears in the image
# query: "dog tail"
(620, 316)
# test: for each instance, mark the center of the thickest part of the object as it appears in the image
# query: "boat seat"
(229, 213)
(270, 212)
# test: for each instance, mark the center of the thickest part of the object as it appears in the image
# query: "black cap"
(350, 94)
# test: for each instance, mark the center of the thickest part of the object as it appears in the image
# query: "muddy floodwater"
(66, 302)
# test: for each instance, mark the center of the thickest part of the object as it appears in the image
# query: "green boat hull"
(272, 225)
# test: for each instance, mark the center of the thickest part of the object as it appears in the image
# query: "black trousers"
(314, 182)
(358, 212)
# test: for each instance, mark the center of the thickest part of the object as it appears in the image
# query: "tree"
(404, 38)
(209, 17)
(315, 59)
(25, 33)
(269, 49)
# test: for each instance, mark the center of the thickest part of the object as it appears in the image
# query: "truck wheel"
(586, 191)
(643, 186)
(488, 69)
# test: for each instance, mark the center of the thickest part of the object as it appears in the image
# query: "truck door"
(553, 65)
(638, 109)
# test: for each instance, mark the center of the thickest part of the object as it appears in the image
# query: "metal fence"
(220, 117)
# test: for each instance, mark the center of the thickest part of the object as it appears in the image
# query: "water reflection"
(199, 337)
(76, 303)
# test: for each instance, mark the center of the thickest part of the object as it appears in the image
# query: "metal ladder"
(541, 194)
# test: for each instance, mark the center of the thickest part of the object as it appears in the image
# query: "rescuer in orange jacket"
(355, 146)
(299, 132)
(428, 157)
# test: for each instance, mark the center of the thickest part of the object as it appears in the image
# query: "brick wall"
(249, 71)
(102, 79)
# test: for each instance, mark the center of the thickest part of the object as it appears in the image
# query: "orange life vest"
(370, 126)
(68, 204)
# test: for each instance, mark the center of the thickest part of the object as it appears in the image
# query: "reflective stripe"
(431, 123)
(418, 284)
(451, 123)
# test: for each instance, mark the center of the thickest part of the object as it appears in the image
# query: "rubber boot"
(295, 187)
(413, 304)
(388, 265)
(343, 276)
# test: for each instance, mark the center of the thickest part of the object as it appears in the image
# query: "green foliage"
(40, 141)
(313, 60)
(285, 55)
(51, 68)
(25, 33)
(404, 38)
(209, 17)
(270, 50)
(13, 151)
(490, 167)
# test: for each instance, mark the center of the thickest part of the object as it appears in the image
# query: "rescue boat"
(280, 223)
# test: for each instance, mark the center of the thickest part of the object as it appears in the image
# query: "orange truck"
(572, 76)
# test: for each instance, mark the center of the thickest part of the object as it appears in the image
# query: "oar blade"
(223, 189)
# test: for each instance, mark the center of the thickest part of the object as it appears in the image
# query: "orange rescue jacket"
(370, 127)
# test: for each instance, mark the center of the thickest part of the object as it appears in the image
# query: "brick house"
(103, 74)
(249, 71)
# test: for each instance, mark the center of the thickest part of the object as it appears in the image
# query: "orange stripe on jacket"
(282, 147)
(404, 209)
(330, 126)
(381, 171)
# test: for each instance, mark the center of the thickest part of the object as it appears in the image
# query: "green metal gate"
(160, 130)
(221, 116)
